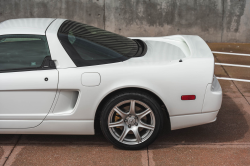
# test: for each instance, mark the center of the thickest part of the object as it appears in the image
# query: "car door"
(28, 80)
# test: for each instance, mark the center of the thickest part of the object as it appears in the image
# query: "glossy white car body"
(67, 103)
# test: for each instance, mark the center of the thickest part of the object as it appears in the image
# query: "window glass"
(22, 51)
(87, 45)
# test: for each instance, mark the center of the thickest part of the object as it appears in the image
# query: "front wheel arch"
(107, 97)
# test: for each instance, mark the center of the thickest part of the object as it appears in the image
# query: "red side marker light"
(188, 97)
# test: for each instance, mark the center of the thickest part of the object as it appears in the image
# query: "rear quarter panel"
(168, 80)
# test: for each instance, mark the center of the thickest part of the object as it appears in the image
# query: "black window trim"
(76, 58)
(79, 62)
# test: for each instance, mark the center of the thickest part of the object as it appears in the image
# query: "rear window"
(87, 45)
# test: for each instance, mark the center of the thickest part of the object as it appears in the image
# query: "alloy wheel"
(131, 122)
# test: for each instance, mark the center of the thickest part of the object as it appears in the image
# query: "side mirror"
(48, 63)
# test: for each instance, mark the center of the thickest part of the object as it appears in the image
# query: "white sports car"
(63, 77)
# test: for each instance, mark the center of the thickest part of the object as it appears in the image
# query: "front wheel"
(131, 120)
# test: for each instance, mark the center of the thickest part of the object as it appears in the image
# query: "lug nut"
(129, 126)
(136, 124)
(125, 120)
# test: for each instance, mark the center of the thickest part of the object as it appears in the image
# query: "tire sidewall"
(153, 105)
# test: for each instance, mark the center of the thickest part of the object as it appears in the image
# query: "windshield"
(87, 45)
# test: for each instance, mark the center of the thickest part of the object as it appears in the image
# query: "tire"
(131, 120)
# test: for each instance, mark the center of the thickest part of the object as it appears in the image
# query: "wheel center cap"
(131, 120)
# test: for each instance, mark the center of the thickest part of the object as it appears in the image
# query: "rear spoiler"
(193, 46)
(196, 47)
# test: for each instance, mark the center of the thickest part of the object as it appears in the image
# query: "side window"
(22, 51)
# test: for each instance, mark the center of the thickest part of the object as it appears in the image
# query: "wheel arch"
(109, 95)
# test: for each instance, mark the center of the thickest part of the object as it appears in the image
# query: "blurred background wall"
(213, 20)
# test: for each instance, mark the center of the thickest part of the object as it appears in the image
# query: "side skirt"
(64, 127)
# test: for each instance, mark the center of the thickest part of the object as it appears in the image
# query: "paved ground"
(224, 142)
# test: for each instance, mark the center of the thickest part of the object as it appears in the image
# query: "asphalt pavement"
(224, 142)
